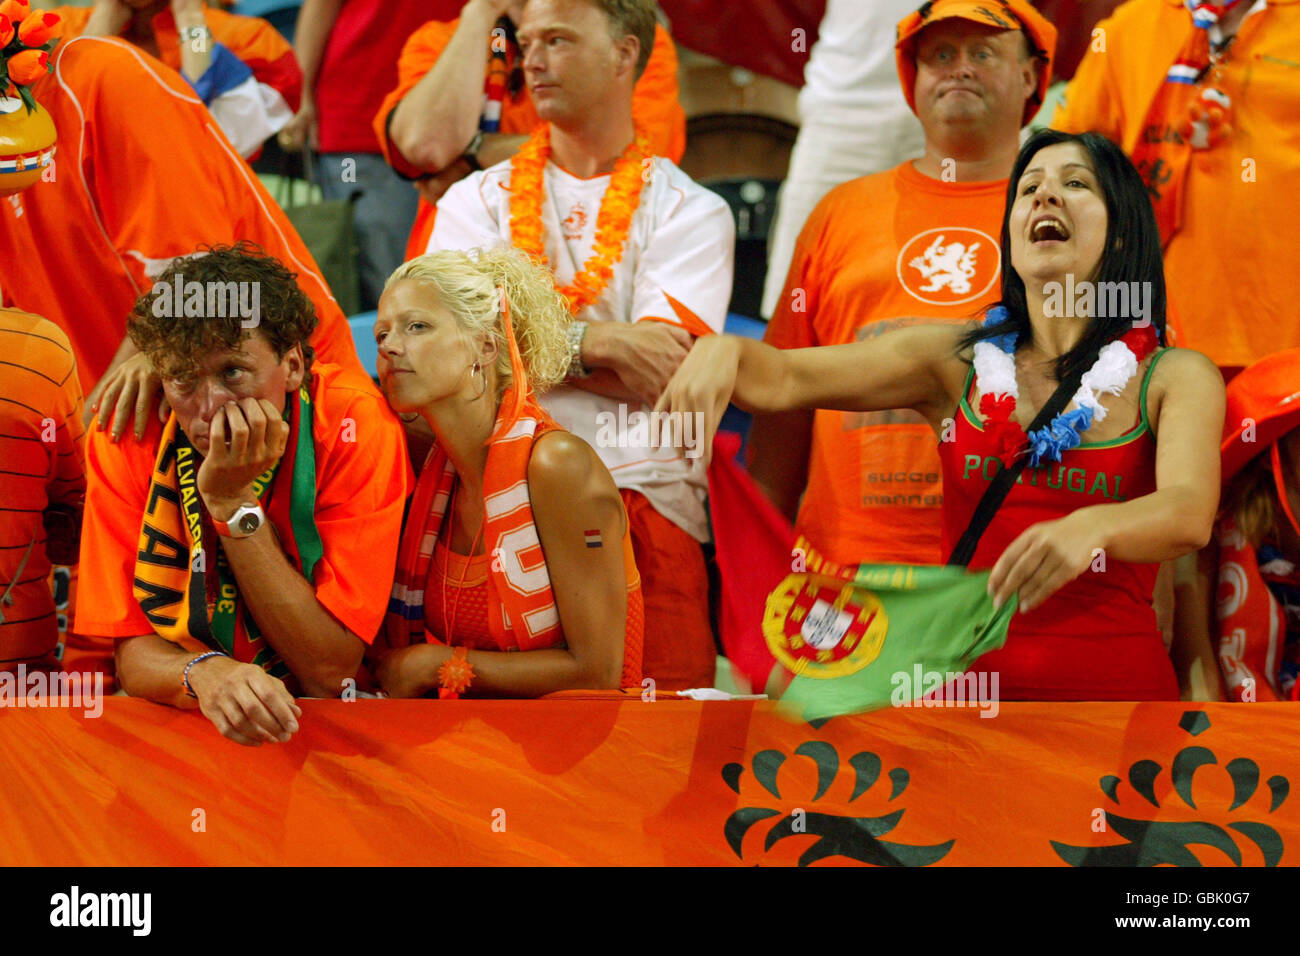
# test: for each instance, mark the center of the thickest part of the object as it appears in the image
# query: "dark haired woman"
(1080, 533)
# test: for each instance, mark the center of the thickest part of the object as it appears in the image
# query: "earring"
(477, 369)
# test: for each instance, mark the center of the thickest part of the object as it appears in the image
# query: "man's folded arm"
(317, 649)
(151, 667)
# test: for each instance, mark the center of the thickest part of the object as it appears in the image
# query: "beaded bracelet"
(185, 677)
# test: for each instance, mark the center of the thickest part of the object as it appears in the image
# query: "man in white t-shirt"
(670, 283)
(853, 121)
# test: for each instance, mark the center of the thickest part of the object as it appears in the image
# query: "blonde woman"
(516, 538)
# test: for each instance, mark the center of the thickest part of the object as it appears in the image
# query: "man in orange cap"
(917, 240)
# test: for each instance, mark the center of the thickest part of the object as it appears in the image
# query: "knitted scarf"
(525, 618)
(178, 546)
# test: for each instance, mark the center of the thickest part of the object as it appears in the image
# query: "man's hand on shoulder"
(127, 393)
(245, 703)
(644, 355)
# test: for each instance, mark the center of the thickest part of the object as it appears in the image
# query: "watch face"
(249, 523)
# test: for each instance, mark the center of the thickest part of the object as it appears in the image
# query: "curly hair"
(467, 284)
(177, 330)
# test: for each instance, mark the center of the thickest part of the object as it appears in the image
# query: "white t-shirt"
(680, 248)
(851, 76)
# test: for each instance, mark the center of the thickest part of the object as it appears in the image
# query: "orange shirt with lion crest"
(879, 253)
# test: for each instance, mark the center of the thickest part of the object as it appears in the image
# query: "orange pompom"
(39, 27)
(28, 66)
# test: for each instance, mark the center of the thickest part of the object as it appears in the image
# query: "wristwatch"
(574, 335)
(471, 151)
(242, 523)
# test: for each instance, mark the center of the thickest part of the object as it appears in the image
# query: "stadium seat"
(363, 337)
(753, 207)
(281, 14)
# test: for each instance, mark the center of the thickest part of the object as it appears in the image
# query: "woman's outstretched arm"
(906, 368)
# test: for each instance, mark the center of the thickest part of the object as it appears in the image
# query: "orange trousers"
(679, 650)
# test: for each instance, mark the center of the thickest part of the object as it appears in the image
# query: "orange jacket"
(1229, 272)
(258, 44)
(121, 201)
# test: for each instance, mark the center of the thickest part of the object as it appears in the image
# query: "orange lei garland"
(613, 223)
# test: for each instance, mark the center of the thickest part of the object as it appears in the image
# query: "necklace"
(617, 206)
(995, 377)
(451, 512)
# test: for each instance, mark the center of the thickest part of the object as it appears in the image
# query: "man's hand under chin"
(244, 440)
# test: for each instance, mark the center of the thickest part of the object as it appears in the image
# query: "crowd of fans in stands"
(265, 519)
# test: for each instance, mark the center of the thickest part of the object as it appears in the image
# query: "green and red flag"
(854, 637)
(845, 634)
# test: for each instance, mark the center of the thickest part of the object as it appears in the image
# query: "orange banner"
(663, 782)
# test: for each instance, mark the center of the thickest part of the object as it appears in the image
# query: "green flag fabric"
(858, 638)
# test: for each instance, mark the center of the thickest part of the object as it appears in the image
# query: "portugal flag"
(851, 638)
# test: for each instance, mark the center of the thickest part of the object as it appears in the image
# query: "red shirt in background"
(360, 67)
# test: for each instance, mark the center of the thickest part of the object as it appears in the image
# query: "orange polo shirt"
(1230, 270)
(879, 253)
(654, 107)
(362, 480)
(41, 447)
(143, 174)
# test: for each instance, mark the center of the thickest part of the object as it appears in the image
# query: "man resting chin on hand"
(238, 552)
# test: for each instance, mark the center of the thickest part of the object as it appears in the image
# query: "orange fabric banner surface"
(665, 782)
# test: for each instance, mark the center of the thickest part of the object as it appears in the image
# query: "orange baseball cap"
(1004, 14)
(1263, 405)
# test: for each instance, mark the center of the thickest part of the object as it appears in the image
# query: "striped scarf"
(178, 544)
(1183, 116)
(525, 618)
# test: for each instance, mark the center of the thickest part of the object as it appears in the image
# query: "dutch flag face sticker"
(593, 538)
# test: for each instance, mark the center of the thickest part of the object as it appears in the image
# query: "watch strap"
(239, 526)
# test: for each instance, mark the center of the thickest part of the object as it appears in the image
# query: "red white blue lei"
(995, 377)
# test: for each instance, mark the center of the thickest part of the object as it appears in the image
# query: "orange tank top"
(458, 590)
